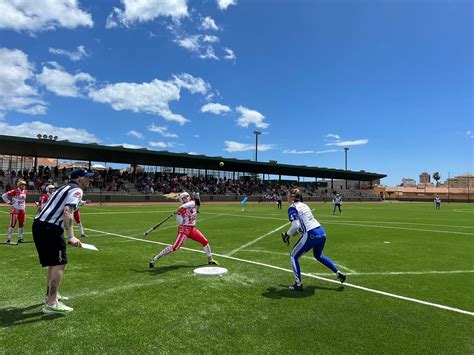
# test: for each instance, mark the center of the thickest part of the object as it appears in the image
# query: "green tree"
(436, 177)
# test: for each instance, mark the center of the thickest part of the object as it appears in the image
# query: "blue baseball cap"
(76, 173)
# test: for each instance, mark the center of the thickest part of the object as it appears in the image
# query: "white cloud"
(349, 143)
(153, 97)
(135, 134)
(293, 151)
(126, 145)
(194, 153)
(469, 134)
(224, 4)
(24, 15)
(162, 130)
(16, 92)
(146, 10)
(31, 129)
(196, 136)
(199, 45)
(326, 151)
(332, 136)
(162, 144)
(215, 108)
(191, 83)
(60, 82)
(208, 24)
(232, 147)
(79, 54)
(230, 55)
(249, 117)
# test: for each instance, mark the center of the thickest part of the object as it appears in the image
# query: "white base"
(210, 271)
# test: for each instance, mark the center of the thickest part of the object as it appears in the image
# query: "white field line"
(256, 240)
(304, 256)
(361, 225)
(399, 228)
(396, 273)
(463, 211)
(392, 295)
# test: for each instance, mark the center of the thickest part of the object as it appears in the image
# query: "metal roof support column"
(332, 184)
(89, 165)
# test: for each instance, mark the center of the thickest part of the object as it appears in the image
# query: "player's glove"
(286, 238)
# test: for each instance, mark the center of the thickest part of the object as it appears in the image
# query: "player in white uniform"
(337, 200)
(437, 202)
(16, 198)
(313, 237)
(186, 218)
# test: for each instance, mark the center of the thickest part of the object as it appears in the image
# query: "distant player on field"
(312, 237)
(197, 199)
(45, 197)
(77, 218)
(337, 201)
(16, 198)
(186, 218)
(437, 202)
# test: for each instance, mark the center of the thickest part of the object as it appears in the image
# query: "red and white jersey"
(187, 215)
(44, 198)
(16, 198)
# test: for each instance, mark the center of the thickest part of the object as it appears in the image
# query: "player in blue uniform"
(312, 237)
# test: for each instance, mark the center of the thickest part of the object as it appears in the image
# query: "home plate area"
(210, 271)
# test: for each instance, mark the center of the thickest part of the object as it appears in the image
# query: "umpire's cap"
(76, 173)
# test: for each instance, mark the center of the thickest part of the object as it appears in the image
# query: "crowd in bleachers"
(125, 182)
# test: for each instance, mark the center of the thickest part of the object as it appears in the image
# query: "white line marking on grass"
(463, 211)
(256, 240)
(400, 228)
(452, 309)
(304, 256)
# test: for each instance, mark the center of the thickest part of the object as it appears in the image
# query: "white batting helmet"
(183, 197)
(50, 187)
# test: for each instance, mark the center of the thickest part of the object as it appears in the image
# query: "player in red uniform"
(186, 218)
(16, 198)
(45, 197)
(77, 218)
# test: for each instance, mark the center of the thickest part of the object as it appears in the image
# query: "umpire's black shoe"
(341, 277)
(296, 287)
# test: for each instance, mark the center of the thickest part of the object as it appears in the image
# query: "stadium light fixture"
(257, 133)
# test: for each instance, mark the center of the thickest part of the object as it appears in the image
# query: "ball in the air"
(221, 164)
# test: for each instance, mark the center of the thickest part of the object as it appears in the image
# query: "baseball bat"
(157, 225)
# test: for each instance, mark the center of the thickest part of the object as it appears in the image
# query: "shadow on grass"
(11, 316)
(308, 291)
(164, 269)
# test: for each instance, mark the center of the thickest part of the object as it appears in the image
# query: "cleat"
(83, 236)
(151, 265)
(341, 277)
(9, 241)
(57, 308)
(212, 262)
(59, 296)
(20, 241)
(296, 287)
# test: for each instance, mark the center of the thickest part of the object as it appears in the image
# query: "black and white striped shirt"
(53, 210)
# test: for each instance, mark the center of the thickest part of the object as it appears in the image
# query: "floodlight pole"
(345, 152)
(257, 133)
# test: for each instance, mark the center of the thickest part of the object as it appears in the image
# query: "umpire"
(48, 234)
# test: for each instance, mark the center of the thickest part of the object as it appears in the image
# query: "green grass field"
(120, 306)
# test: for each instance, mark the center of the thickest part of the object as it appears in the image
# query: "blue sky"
(391, 80)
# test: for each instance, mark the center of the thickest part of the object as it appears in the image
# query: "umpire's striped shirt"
(53, 210)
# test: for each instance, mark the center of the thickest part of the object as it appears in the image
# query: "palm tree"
(436, 177)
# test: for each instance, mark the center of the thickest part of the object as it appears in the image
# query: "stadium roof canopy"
(118, 154)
